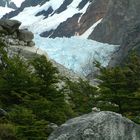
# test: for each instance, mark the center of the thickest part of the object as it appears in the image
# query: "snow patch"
(4, 10)
(90, 30)
(17, 2)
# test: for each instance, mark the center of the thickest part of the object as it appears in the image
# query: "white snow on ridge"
(4, 10)
(39, 24)
(76, 53)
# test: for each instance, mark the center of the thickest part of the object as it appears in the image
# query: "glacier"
(76, 53)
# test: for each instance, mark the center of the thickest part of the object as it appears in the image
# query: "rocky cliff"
(118, 17)
(97, 126)
(121, 15)
(8, 3)
(130, 43)
(26, 3)
(78, 24)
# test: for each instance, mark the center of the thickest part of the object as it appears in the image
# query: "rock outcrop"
(8, 3)
(98, 126)
(120, 16)
(12, 35)
(131, 42)
(9, 26)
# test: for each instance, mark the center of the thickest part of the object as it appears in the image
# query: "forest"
(32, 95)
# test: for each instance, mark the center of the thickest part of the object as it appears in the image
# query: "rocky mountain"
(76, 16)
(120, 17)
(79, 23)
(8, 3)
(107, 21)
(97, 126)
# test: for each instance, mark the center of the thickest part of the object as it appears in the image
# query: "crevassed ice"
(76, 53)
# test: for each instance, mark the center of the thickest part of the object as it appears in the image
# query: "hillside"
(70, 70)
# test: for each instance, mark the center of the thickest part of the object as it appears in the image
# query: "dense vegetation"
(33, 96)
(30, 96)
(120, 88)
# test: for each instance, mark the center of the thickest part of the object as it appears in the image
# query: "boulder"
(31, 44)
(2, 31)
(2, 112)
(10, 25)
(25, 35)
(103, 125)
(21, 43)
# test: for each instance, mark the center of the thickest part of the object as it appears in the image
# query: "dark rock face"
(131, 42)
(63, 7)
(67, 28)
(8, 3)
(45, 13)
(26, 3)
(95, 12)
(120, 16)
(10, 25)
(97, 126)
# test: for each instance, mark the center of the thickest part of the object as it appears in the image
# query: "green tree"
(119, 86)
(81, 96)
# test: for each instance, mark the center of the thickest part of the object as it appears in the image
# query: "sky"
(18, 2)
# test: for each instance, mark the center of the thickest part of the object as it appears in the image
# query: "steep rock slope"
(75, 16)
(131, 42)
(97, 126)
(8, 3)
(24, 4)
(79, 23)
(121, 15)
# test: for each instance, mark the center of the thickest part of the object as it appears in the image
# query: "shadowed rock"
(120, 16)
(10, 25)
(2, 112)
(25, 35)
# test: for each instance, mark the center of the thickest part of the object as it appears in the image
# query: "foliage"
(82, 96)
(29, 93)
(7, 131)
(119, 89)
